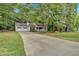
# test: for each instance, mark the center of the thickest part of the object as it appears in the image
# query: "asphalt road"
(42, 45)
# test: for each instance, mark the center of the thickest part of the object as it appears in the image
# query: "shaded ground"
(11, 44)
(42, 45)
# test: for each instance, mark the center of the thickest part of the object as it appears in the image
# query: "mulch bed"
(4, 30)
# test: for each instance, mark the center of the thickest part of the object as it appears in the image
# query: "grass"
(11, 44)
(72, 36)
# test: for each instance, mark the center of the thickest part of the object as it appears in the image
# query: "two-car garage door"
(22, 27)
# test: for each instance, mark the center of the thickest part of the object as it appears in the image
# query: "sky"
(16, 10)
(78, 8)
(32, 6)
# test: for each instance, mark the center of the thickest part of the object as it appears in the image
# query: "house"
(39, 27)
(30, 27)
(22, 26)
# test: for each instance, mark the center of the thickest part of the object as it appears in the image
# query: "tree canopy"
(58, 17)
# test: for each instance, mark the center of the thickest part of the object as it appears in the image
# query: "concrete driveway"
(42, 45)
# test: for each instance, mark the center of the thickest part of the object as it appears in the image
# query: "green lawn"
(11, 44)
(73, 36)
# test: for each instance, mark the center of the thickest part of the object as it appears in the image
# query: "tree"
(58, 17)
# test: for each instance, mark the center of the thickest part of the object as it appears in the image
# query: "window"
(25, 27)
(39, 27)
(19, 27)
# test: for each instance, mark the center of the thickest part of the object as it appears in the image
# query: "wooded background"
(60, 17)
